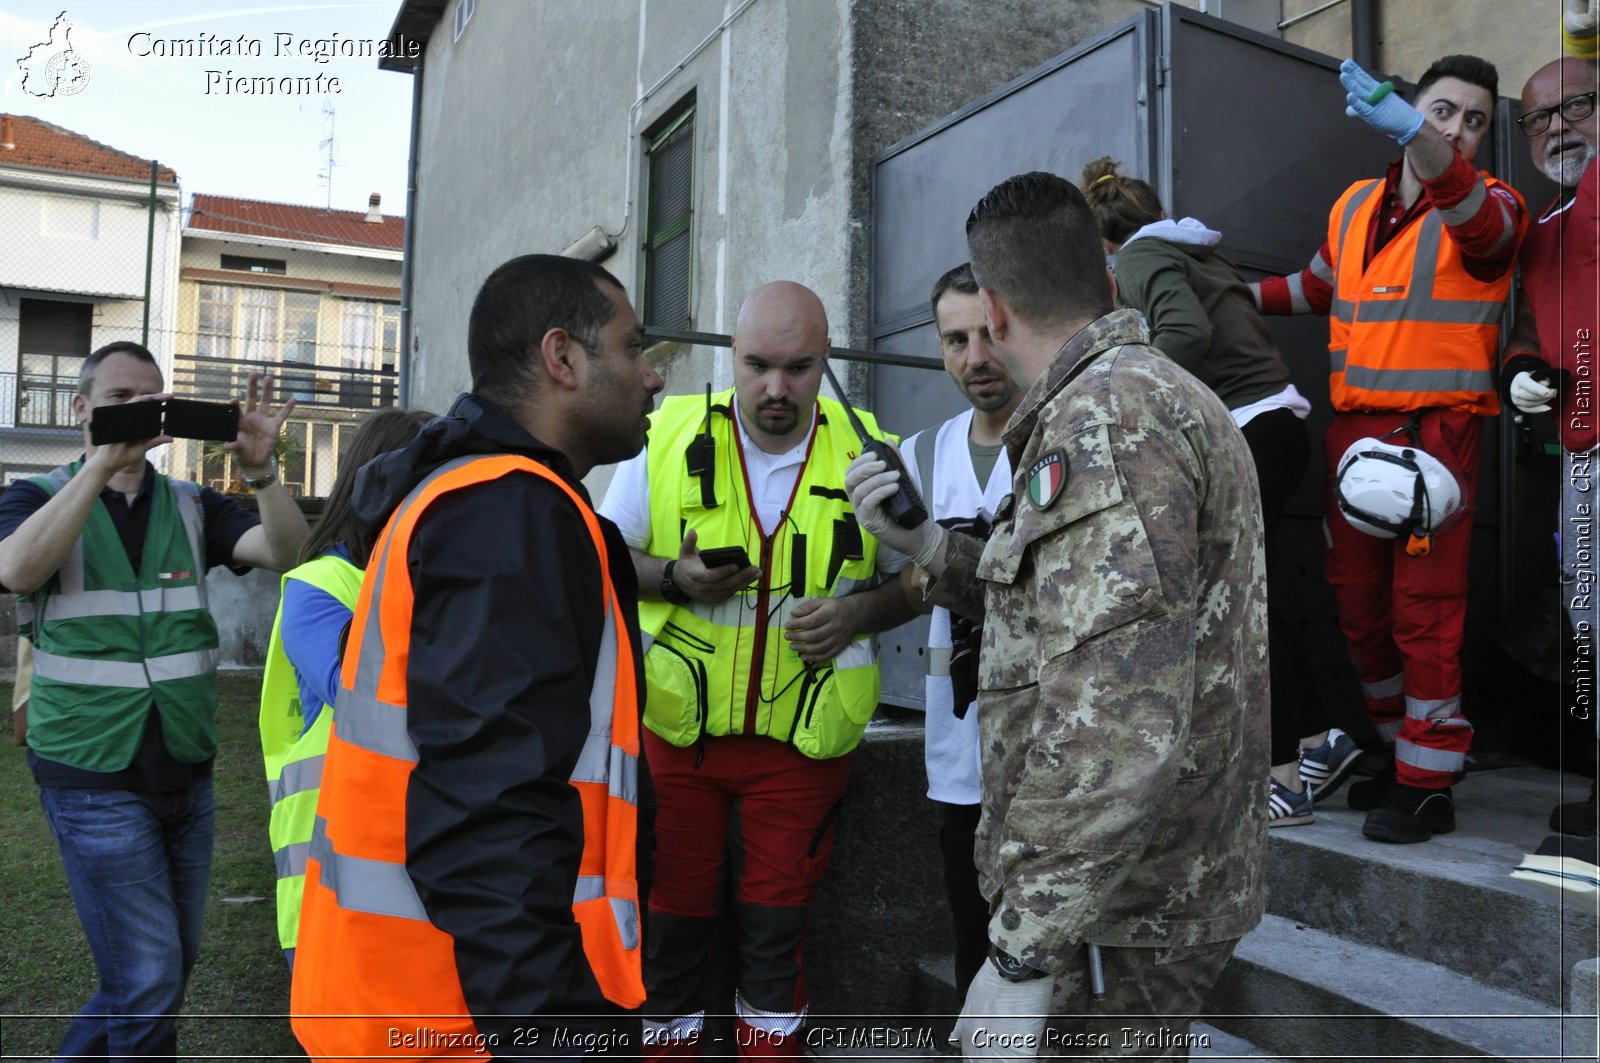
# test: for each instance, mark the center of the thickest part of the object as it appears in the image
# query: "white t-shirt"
(951, 749)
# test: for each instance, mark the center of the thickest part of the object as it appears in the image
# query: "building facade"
(88, 255)
(307, 294)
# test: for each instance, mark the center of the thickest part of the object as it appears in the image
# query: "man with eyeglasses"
(1414, 276)
(1550, 360)
(758, 597)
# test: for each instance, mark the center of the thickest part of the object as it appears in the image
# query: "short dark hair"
(521, 301)
(92, 363)
(959, 279)
(1468, 68)
(1035, 242)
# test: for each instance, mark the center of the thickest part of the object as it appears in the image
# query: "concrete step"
(1449, 901)
(1299, 991)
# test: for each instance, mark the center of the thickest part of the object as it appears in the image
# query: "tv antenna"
(326, 144)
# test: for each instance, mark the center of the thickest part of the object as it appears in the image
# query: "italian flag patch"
(1046, 478)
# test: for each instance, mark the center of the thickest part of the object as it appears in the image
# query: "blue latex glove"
(1377, 105)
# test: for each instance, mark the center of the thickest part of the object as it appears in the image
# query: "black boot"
(1411, 814)
(1576, 817)
(1370, 793)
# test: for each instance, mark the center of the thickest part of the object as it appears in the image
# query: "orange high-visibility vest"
(369, 962)
(1412, 329)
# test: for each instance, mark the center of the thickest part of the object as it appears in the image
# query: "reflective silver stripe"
(1355, 203)
(127, 674)
(646, 640)
(182, 665)
(1428, 759)
(291, 859)
(859, 654)
(1297, 293)
(1361, 376)
(939, 660)
(361, 885)
(1432, 311)
(373, 725)
(297, 777)
(1433, 709)
(189, 515)
(1464, 210)
(1342, 310)
(126, 603)
(1508, 228)
(1336, 359)
(626, 913)
(1320, 268)
(602, 762)
(1389, 731)
(24, 612)
(1385, 688)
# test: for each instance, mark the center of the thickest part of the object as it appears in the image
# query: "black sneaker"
(1412, 814)
(1576, 817)
(1368, 794)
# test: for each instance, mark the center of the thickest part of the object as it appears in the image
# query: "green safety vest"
(726, 668)
(107, 643)
(293, 760)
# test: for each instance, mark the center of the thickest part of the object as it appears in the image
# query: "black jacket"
(505, 635)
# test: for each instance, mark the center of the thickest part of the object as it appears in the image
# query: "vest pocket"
(834, 708)
(676, 697)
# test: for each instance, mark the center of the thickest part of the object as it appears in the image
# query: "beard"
(1566, 168)
(994, 398)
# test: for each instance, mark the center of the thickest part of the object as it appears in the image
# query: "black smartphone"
(193, 419)
(725, 555)
(125, 422)
(185, 418)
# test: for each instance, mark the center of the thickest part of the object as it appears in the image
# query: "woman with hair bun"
(1202, 316)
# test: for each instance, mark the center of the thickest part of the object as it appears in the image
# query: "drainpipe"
(407, 272)
(1364, 33)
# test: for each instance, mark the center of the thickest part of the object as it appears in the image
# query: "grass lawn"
(239, 992)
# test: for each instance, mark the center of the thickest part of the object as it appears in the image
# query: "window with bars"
(668, 221)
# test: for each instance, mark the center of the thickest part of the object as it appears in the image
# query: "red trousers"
(1404, 616)
(787, 805)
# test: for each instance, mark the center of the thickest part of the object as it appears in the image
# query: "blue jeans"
(138, 866)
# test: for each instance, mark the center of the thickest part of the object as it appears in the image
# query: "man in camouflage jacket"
(1123, 670)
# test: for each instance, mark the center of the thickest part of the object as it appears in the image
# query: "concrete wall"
(1517, 38)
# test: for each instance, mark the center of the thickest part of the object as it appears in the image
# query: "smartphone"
(185, 418)
(725, 555)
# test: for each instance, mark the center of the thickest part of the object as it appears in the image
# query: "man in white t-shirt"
(962, 470)
(760, 666)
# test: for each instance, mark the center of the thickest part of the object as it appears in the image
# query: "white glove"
(870, 484)
(1528, 395)
(1579, 18)
(1003, 1019)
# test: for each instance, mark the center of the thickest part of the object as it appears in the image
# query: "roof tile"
(288, 221)
(43, 146)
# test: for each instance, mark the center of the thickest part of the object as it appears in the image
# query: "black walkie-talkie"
(905, 507)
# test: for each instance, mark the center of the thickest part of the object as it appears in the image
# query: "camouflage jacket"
(1123, 670)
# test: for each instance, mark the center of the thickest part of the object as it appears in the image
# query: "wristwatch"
(1011, 968)
(266, 479)
(670, 591)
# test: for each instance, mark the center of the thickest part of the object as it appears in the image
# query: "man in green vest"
(761, 668)
(109, 558)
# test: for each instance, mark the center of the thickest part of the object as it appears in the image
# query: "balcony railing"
(318, 386)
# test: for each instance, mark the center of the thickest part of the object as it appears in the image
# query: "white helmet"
(1387, 491)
